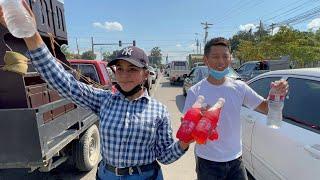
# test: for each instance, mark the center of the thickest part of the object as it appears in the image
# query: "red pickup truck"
(96, 70)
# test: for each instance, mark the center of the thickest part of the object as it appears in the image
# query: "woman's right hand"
(25, 5)
(2, 22)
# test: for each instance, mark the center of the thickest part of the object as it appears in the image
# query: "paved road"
(184, 168)
(172, 97)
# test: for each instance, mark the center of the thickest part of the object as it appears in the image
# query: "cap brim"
(114, 61)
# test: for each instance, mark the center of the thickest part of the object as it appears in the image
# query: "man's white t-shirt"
(236, 93)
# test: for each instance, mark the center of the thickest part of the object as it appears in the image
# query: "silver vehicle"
(251, 69)
(153, 74)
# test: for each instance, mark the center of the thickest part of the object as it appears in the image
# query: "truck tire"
(86, 151)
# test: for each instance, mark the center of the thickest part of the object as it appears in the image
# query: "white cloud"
(314, 24)
(275, 31)
(110, 26)
(193, 46)
(247, 27)
(178, 45)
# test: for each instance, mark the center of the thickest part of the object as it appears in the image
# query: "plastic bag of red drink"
(190, 120)
(206, 127)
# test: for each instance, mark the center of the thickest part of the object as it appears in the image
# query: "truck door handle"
(313, 150)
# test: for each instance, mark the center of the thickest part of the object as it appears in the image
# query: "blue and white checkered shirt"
(132, 133)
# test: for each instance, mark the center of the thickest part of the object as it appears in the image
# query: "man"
(135, 129)
(221, 159)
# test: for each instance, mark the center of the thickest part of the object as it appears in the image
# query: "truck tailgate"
(19, 137)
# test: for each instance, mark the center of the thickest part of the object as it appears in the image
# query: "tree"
(65, 50)
(107, 56)
(241, 35)
(155, 56)
(156, 52)
(88, 55)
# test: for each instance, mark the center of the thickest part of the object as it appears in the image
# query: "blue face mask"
(218, 74)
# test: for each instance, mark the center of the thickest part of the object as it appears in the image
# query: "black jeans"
(231, 170)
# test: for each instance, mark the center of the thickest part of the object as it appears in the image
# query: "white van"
(177, 70)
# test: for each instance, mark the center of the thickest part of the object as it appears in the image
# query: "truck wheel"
(86, 152)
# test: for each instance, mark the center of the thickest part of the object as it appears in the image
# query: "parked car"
(251, 69)
(198, 73)
(153, 74)
(293, 150)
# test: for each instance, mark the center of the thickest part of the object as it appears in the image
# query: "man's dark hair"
(219, 41)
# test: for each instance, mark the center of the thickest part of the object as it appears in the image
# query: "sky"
(173, 25)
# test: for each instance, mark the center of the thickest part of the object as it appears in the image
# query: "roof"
(315, 72)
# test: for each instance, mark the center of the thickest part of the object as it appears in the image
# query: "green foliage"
(107, 56)
(88, 55)
(69, 55)
(156, 52)
(302, 47)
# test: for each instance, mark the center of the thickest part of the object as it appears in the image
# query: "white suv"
(292, 151)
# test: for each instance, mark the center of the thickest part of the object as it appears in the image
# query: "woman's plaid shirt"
(132, 133)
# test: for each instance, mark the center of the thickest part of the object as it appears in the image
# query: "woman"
(134, 129)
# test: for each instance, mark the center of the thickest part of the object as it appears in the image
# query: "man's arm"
(263, 107)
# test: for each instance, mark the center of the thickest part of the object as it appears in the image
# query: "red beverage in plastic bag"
(206, 126)
(190, 120)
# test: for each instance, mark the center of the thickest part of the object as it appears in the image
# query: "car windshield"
(232, 73)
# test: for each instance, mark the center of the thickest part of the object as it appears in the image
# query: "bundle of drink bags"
(199, 123)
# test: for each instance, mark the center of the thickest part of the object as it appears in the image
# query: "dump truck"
(39, 129)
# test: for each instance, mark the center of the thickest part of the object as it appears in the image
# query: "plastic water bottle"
(206, 127)
(190, 120)
(275, 105)
(19, 22)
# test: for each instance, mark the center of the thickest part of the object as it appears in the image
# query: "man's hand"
(281, 86)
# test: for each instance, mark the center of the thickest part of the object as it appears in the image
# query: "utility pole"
(77, 46)
(260, 30)
(272, 27)
(92, 45)
(167, 59)
(206, 27)
(197, 42)
(197, 46)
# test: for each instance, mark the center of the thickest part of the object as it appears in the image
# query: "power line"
(300, 17)
(291, 11)
(239, 11)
